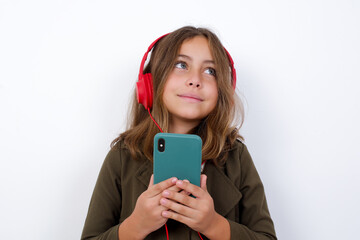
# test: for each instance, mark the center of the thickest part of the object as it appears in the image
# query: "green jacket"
(236, 189)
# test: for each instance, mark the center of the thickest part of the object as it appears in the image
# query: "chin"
(189, 116)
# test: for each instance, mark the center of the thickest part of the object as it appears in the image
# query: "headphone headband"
(147, 53)
(144, 85)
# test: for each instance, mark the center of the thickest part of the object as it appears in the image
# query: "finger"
(174, 188)
(178, 207)
(182, 198)
(183, 191)
(178, 217)
(161, 186)
(177, 189)
(186, 192)
(203, 179)
(190, 188)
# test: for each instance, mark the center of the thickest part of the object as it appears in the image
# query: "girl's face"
(190, 92)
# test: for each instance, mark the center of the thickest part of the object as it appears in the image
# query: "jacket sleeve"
(102, 221)
(254, 217)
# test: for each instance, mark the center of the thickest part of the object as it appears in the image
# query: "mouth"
(190, 97)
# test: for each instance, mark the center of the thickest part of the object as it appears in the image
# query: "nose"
(197, 85)
(194, 80)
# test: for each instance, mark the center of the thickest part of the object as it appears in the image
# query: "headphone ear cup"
(144, 90)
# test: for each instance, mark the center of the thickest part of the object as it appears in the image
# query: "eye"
(181, 65)
(211, 71)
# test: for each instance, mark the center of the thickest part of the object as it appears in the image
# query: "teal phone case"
(181, 157)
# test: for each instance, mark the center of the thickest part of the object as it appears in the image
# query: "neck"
(181, 127)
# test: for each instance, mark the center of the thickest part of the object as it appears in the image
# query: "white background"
(67, 69)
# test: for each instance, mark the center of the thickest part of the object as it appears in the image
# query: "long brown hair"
(218, 130)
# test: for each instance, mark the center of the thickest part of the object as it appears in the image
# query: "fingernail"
(163, 201)
(173, 180)
(186, 181)
(165, 213)
(179, 182)
(166, 193)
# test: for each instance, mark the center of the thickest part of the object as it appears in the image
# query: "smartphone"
(177, 155)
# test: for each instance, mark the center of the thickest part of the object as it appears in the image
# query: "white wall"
(67, 69)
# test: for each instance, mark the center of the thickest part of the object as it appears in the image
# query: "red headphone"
(144, 85)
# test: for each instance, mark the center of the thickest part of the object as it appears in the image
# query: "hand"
(197, 213)
(147, 213)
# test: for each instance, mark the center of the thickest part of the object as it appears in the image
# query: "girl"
(193, 86)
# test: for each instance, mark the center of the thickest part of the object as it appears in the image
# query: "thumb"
(151, 183)
(203, 179)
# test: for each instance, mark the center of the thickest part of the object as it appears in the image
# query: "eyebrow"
(189, 58)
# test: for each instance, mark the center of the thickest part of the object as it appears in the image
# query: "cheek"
(166, 91)
(170, 84)
(214, 95)
(214, 92)
(215, 101)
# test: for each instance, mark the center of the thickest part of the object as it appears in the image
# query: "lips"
(191, 97)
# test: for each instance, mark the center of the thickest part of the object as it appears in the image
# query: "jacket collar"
(220, 187)
(144, 172)
(222, 190)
